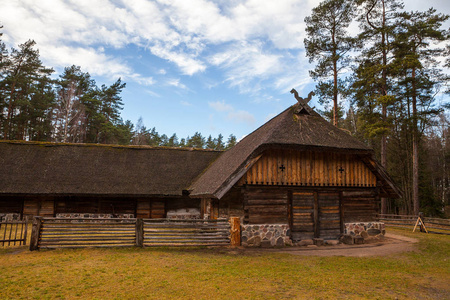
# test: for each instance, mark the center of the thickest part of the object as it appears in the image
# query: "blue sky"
(223, 66)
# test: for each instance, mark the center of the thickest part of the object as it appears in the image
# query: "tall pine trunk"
(415, 147)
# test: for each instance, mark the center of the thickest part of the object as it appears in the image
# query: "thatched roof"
(48, 168)
(306, 130)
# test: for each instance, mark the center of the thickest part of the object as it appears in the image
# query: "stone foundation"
(95, 216)
(265, 235)
(9, 217)
(365, 229)
(184, 213)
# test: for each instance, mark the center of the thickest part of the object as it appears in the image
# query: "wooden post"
(26, 231)
(35, 233)
(316, 216)
(235, 231)
(139, 233)
(341, 212)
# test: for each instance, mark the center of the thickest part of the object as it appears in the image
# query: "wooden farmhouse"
(297, 170)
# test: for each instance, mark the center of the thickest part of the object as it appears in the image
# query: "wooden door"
(302, 215)
(329, 215)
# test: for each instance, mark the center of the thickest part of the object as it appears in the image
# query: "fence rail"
(49, 233)
(169, 232)
(75, 233)
(13, 232)
(433, 225)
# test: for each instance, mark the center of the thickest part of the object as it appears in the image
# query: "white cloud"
(185, 103)
(220, 106)
(241, 116)
(176, 83)
(237, 116)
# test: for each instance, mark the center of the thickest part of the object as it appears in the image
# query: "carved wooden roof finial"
(302, 102)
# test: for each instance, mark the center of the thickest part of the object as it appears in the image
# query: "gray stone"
(364, 234)
(332, 242)
(347, 239)
(257, 241)
(305, 243)
(269, 235)
(358, 240)
(288, 232)
(243, 239)
(373, 231)
(318, 242)
(280, 242)
(266, 244)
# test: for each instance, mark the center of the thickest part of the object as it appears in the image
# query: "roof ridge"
(116, 146)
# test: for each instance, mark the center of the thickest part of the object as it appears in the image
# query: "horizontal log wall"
(39, 207)
(360, 206)
(94, 205)
(309, 168)
(170, 232)
(232, 204)
(266, 206)
(11, 205)
(151, 208)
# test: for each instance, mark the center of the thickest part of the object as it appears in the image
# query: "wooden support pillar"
(235, 231)
(316, 216)
(139, 233)
(341, 213)
(205, 208)
(35, 233)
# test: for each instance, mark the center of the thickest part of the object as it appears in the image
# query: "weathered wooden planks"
(309, 168)
(265, 206)
(186, 233)
(76, 233)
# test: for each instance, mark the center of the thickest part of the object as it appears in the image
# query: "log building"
(296, 169)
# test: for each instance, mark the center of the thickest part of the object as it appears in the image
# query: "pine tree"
(417, 69)
(231, 141)
(373, 91)
(328, 44)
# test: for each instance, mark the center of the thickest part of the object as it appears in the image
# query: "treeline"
(72, 108)
(390, 74)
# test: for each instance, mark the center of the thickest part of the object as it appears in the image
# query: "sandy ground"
(387, 245)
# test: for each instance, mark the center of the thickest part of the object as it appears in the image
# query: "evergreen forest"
(385, 83)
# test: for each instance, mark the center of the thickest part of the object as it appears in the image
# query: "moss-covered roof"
(55, 168)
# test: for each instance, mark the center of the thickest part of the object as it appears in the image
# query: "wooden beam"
(316, 215)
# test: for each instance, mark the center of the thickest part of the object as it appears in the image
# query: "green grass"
(134, 273)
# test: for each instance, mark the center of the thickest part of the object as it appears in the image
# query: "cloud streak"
(192, 35)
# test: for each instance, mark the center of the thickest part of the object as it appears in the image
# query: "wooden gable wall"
(309, 168)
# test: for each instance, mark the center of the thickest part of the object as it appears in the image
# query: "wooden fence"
(13, 232)
(172, 232)
(82, 232)
(76, 233)
(433, 225)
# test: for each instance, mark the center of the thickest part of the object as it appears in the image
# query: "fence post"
(26, 231)
(139, 233)
(35, 233)
(235, 231)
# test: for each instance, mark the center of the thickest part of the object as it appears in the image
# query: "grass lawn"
(136, 273)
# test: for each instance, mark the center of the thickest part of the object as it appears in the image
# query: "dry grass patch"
(136, 273)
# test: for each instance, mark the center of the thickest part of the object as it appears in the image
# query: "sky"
(222, 66)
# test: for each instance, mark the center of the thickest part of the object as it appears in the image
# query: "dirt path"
(389, 244)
